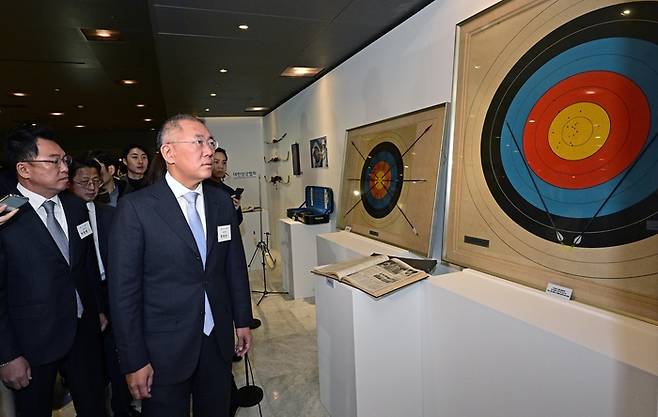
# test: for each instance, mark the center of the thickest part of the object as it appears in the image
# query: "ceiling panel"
(175, 49)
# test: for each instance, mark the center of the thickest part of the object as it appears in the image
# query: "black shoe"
(255, 323)
(236, 358)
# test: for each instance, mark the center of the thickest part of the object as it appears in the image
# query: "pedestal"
(369, 354)
(298, 253)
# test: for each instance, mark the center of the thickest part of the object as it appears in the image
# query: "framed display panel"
(390, 178)
(554, 168)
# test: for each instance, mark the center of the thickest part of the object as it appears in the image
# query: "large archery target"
(390, 178)
(382, 179)
(556, 159)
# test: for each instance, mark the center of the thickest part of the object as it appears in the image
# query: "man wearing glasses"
(85, 181)
(49, 292)
(178, 282)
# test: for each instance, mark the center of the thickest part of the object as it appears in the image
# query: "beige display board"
(390, 178)
(554, 166)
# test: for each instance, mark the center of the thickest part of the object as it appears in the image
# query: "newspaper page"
(384, 277)
(343, 269)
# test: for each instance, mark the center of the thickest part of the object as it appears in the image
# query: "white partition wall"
(497, 349)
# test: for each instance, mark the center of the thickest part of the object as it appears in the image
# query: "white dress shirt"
(36, 201)
(179, 191)
(94, 227)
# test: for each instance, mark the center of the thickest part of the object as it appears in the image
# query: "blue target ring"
(613, 212)
(382, 179)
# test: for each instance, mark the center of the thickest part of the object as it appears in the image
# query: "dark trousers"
(121, 398)
(209, 386)
(81, 367)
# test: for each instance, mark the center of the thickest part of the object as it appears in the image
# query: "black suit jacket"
(157, 281)
(38, 309)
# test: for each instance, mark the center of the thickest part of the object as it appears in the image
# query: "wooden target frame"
(554, 166)
(390, 179)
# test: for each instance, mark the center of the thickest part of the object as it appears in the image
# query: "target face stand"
(390, 178)
(555, 171)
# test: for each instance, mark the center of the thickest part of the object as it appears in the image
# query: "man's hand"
(243, 342)
(16, 374)
(6, 216)
(139, 382)
(236, 202)
(103, 320)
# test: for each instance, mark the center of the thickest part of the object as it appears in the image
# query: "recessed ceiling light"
(243, 27)
(626, 12)
(128, 81)
(207, 109)
(101, 34)
(256, 108)
(301, 71)
(148, 120)
(79, 126)
(56, 113)
(223, 70)
(34, 124)
(19, 94)
(80, 106)
(140, 105)
(57, 90)
(213, 94)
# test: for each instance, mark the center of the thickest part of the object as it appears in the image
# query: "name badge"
(84, 229)
(224, 233)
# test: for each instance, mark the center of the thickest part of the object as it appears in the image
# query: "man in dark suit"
(85, 179)
(49, 294)
(178, 282)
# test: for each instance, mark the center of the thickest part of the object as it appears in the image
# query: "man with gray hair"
(178, 282)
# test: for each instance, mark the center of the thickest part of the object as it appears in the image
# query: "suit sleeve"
(238, 278)
(125, 276)
(8, 347)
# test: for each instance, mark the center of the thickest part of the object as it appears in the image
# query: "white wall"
(409, 68)
(242, 137)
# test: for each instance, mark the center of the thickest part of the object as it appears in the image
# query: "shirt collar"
(36, 200)
(179, 189)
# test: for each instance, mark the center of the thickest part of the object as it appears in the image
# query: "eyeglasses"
(96, 182)
(67, 159)
(199, 142)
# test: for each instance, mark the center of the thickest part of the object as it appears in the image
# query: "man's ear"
(168, 154)
(23, 170)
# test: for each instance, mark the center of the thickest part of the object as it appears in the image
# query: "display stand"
(298, 252)
(469, 344)
(250, 231)
(368, 350)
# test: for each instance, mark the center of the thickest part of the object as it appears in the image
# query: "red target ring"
(629, 121)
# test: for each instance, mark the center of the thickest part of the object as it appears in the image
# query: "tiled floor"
(284, 357)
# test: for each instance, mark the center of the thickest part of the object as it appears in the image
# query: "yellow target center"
(579, 131)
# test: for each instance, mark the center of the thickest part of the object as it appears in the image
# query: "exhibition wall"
(409, 68)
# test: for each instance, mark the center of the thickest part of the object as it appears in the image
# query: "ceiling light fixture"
(213, 94)
(301, 71)
(57, 90)
(19, 94)
(256, 108)
(140, 105)
(79, 126)
(243, 27)
(128, 81)
(223, 70)
(101, 34)
(207, 109)
(626, 12)
(80, 106)
(148, 120)
(56, 113)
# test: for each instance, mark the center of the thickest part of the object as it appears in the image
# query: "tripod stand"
(264, 247)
